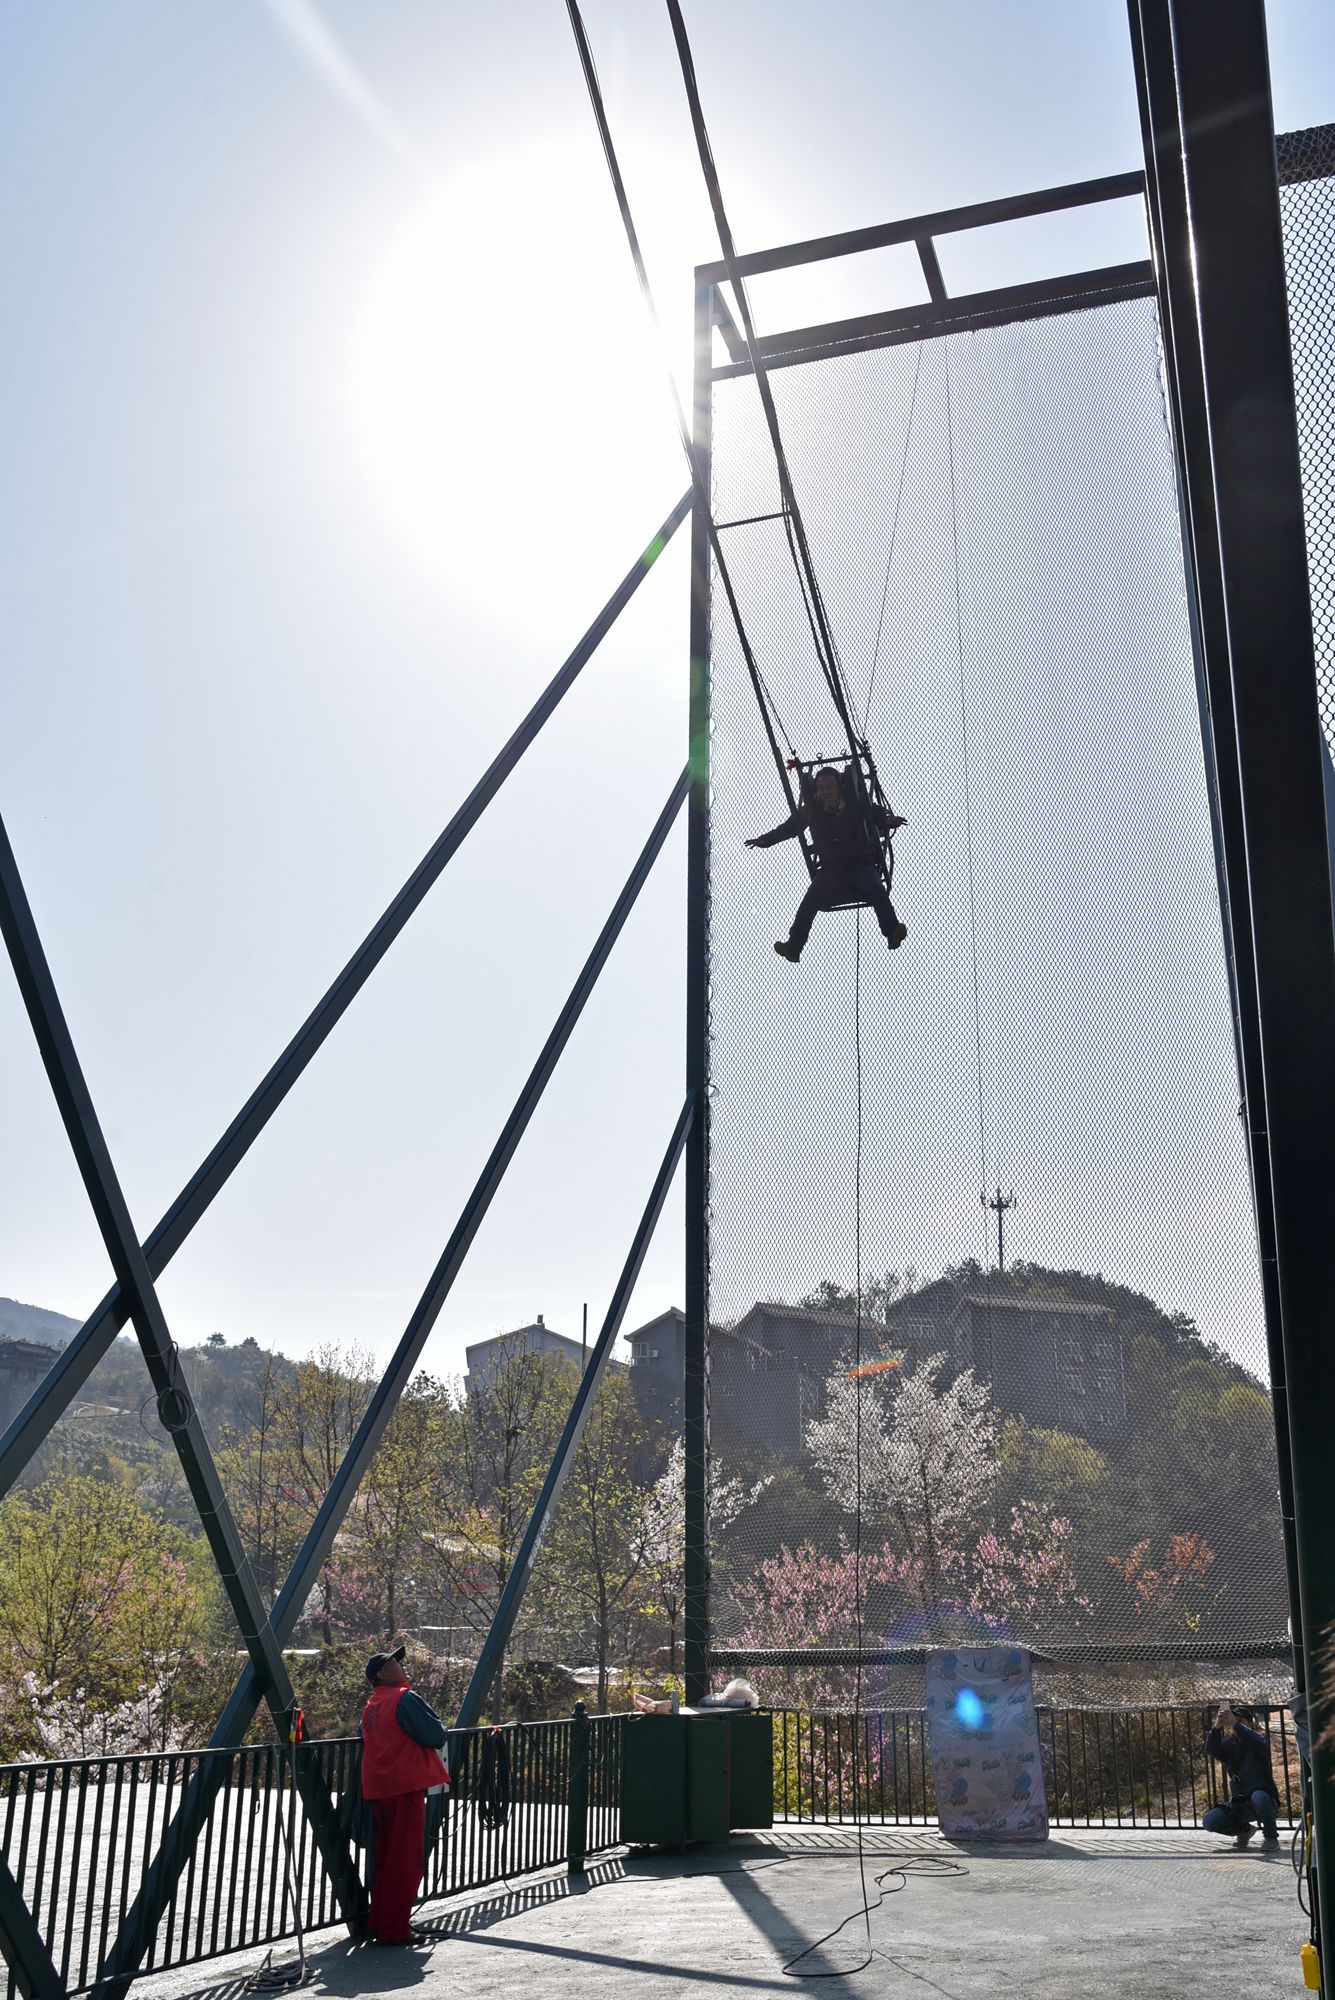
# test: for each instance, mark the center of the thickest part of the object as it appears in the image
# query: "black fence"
(1107, 1767)
(80, 1837)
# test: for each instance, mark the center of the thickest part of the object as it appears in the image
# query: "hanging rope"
(894, 530)
(794, 527)
(968, 819)
(769, 710)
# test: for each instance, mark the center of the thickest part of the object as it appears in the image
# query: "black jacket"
(844, 841)
(1245, 1755)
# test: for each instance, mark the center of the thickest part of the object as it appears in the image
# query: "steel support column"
(695, 1385)
(71, 1370)
(1212, 65)
(142, 1919)
(512, 1596)
(1165, 194)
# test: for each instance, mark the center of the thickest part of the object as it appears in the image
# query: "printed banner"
(986, 1761)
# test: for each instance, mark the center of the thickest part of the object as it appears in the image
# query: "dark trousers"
(1238, 1815)
(863, 885)
(400, 1834)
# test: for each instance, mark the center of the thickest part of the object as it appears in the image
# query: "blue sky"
(330, 421)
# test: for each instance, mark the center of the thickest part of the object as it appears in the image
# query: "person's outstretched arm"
(788, 830)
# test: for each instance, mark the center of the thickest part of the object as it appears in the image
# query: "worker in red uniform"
(402, 1741)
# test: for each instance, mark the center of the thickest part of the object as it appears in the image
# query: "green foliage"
(100, 1604)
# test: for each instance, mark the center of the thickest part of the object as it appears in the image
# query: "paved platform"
(1136, 1916)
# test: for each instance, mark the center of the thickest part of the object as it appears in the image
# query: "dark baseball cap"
(378, 1660)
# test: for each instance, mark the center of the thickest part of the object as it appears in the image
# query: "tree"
(1167, 1596)
(498, 1434)
(256, 1467)
(925, 1453)
(596, 1551)
(663, 1532)
(393, 1519)
(314, 1423)
(99, 1607)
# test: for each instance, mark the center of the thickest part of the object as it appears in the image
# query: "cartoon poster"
(986, 1760)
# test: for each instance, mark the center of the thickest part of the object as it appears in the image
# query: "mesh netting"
(1307, 206)
(1076, 1449)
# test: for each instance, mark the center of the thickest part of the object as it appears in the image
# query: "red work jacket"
(394, 1762)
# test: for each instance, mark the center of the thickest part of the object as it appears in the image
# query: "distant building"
(487, 1357)
(1059, 1363)
(658, 1349)
(767, 1373)
(23, 1363)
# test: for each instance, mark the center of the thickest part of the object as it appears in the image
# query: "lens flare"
(969, 1709)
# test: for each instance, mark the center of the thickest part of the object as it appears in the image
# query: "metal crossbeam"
(141, 1921)
(944, 222)
(71, 1370)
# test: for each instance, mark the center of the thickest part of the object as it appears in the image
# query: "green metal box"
(695, 1776)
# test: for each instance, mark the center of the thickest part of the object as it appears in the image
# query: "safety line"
(799, 546)
(968, 817)
(894, 531)
(768, 706)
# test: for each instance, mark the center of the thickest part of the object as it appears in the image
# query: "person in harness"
(847, 836)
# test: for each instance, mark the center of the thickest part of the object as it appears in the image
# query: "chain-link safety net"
(1307, 207)
(1025, 1120)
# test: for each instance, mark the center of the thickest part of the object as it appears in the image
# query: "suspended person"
(847, 836)
(402, 1743)
(1253, 1797)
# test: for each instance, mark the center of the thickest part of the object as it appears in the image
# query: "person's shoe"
(787, 949)
(897, 936)
(1270, 1841)
(1241, 1839)
(413, 1937)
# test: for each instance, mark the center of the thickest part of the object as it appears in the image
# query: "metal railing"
(1107, 1767)
(80, 1837)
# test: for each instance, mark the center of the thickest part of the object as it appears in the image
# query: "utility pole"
(999, 1202)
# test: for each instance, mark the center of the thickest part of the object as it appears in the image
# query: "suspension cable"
(794, 527)
(894, 531)
(768, 706)
(968, 813)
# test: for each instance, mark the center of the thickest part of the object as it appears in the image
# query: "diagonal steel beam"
(512, 1597)
(142, 1919)
(23, 1947)
(176, 1407)
(71, 1370)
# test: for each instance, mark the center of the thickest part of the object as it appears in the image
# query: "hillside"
(20, 1322)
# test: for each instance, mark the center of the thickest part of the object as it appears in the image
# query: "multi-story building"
(767, 1372)
(1059, 1363)
(486, 1358)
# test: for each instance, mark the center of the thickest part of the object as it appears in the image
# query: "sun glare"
(508, 394)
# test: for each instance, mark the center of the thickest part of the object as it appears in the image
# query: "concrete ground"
(1119, 1915)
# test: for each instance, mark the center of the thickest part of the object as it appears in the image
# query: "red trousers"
(400, 1838)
